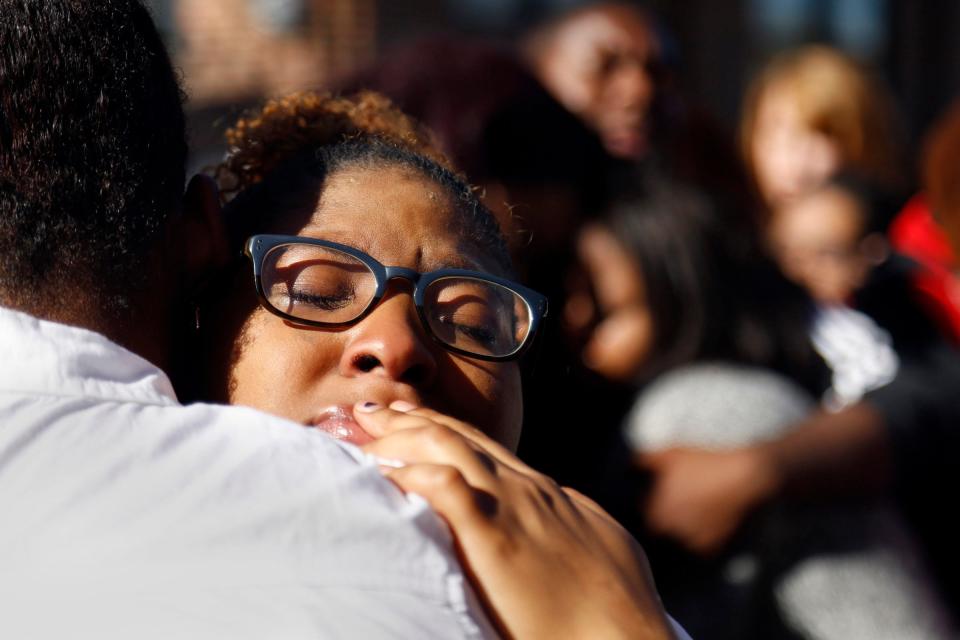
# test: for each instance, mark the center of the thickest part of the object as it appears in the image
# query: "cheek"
(621, 344)
(767, 158)
(511, 408)
(571, 75)
(486, 395)
(277, 365)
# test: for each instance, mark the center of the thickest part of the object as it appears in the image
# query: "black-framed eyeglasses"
(325, 284)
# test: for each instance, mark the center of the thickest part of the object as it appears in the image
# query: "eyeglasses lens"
(316, 283)
(476, 315)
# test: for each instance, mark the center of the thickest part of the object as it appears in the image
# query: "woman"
(383, 314)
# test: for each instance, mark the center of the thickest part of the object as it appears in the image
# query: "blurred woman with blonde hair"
(810, 114)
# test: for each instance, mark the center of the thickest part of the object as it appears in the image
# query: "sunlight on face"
(306, 374)
(789, 158)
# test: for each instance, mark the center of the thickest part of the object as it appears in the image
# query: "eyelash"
(475, 333)
(327, 303)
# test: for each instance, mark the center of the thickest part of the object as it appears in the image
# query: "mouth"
(626, 142)
(338, 422)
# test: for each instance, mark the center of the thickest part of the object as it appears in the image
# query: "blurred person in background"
(720, 346)
(605, 64)
(824, 241)
(923, 229)
(900, 440)
(870, 314)
(819, 137)
(700, 285)
(810, 114)
(615, 66)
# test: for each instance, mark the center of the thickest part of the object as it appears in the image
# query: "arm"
(891, 438)
(832, 455)
(701, 498)
(547, 561)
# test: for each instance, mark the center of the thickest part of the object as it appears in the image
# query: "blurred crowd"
(750, 356)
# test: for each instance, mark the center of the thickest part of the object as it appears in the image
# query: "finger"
(384, 421)
(436, 444)
(476, 436)
(470, 513)
(449, 493)
(379, 421)
(459, 426)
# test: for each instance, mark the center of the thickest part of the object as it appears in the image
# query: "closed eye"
(333, 302)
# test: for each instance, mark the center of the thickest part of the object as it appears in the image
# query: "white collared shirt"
(126, 515)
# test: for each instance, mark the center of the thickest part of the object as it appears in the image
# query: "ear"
(200, 232)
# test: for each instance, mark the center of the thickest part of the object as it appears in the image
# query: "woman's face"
(314, 376)
(789, 158)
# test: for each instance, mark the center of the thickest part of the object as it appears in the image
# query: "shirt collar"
(48, 358)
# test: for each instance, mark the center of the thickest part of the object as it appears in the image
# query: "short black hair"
(92, 150)
(297, 183)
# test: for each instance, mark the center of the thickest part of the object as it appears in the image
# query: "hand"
(700, 498)
(547, 561)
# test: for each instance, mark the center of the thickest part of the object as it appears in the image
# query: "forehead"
(777, 104)
(615, 28)
(397, 215)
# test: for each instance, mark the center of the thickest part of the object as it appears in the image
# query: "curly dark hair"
(280, 155)
(92, 151)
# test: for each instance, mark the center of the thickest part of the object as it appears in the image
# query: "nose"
(391, 342)
(631, 84)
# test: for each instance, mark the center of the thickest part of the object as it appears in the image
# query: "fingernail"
(367, 407)
(402, 406)
(390, 463)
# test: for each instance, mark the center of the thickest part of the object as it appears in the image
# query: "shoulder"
(186, 463)
(198, 506)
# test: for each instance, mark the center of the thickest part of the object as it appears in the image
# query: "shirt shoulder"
(197, 509)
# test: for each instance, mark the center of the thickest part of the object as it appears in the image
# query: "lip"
(626, 141)
(338, 422)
